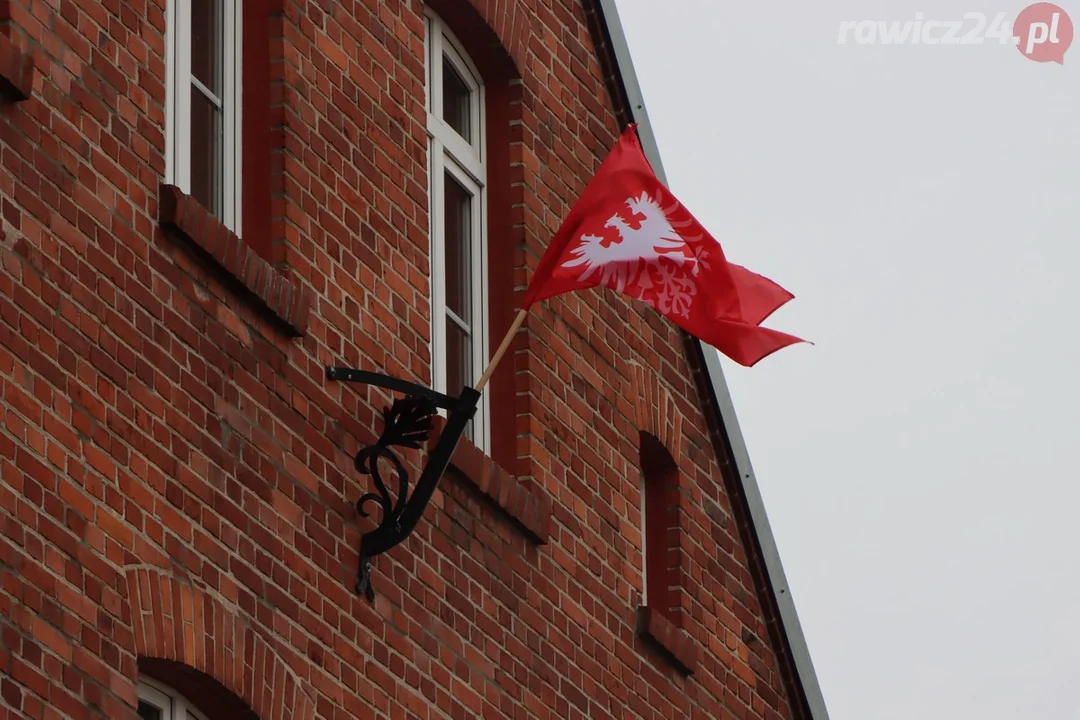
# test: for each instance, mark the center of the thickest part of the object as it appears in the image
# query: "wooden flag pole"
(502, 350)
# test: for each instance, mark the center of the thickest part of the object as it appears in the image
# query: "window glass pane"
(458, 358)
(206, 41)
(206, 152)
(457, 228)
(456, 107)
(149, 712)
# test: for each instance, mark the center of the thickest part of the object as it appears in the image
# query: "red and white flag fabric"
(628, 232)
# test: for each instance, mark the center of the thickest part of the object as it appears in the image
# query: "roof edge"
(770, 554)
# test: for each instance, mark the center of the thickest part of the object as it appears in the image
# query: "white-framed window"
(203, 57)
(457, 211)
(158, 701)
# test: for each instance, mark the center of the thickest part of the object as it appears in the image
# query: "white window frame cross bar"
(178, 89)
(450, 153)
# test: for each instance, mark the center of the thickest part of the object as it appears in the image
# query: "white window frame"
(449, 152)
(172, 704)
(178, 79)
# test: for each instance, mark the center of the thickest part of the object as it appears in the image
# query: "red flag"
(628, 232)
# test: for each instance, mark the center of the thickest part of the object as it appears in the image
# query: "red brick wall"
(176, 483)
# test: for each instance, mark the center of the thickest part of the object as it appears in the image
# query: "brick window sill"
(676, 645)
(271, 292)
(16, 72)
(528, 507)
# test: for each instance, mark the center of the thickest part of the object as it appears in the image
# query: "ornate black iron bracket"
(407, 423)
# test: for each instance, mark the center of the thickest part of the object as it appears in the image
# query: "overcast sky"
(918, 463)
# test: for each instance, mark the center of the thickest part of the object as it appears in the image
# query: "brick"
(16, 72)
(176, 479)
(181, 214)
(678, 647)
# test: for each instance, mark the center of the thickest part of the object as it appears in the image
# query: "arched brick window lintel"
(179, 628)
(655, 410)
(487, 29)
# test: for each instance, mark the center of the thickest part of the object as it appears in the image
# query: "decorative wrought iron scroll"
(407, 424)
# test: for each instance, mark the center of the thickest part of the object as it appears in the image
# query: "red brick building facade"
(206, 204)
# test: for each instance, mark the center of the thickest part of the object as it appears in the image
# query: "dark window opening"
(660, 511)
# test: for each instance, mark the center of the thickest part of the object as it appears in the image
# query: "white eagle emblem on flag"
(627, 265)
